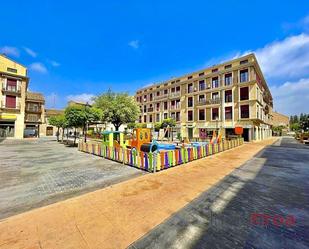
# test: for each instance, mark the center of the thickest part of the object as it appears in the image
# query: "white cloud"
(291, 97)
(134, 44)
(55, 63)
(83, 98)
(38, 67)
(10, 51)
(286, 58)
(30, 52)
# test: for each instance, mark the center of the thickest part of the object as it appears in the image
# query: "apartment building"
(34, 114)
(21, 111)
(14, 84)
(222, 97)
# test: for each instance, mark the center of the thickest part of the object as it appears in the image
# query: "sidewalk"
(116, 216)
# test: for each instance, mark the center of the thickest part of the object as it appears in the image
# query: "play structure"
(114, 139)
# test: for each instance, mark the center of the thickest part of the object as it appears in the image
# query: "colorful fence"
(157, 161)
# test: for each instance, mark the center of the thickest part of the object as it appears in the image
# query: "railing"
(13, 89)
(175, 107)
(5, 106)
(33, 118)
(209, 101)
(32, 109)
(161, 96)
(174, 95)
(150, 109)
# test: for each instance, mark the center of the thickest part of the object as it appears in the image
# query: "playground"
(143, 152)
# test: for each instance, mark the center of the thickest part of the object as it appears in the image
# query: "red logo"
(259, 219)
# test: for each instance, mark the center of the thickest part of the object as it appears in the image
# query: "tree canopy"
(80, 116)
(117, 108)
(59, 121)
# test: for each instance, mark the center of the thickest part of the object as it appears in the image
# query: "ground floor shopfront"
(11, 126)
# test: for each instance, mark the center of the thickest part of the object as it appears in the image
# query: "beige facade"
(221, 97)
(21, 111)
(14, 84)
(279, 119)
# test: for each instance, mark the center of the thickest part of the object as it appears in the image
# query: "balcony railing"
(34, 109)
(175, 94)
(209, 101)
(150, 109)
(11, 89)
(33, 118)
(175, 107)
(161, 96)
(8, 107)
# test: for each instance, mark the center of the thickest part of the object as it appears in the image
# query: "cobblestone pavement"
(274, 182)
(35, 173)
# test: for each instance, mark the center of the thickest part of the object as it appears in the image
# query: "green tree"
(117, 108)
(79, 116)
(60, 122)
(132, 125)
(158, 126)
(169, 122)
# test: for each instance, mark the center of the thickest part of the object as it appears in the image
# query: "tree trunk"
(117, 126)
(62, 135)
(74, 136)
(58, 135)
(85, 135)
(67, 136)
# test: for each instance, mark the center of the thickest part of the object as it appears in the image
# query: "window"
(177, 103)
(11, 85)
(177, 116)
(34, 107)
(215, 95)
(190, 115)
(173, 90)
(244, 111)
(215, 82)
(150, 118)
(165, 105)
(177, 81)
(201, 114)
(228, 112)
(189, 77)
(140, 119)
(257, 111)
(165, 91)
(201, 74)
(228, 79)
(243, 62)
(145, 119)
(145, 98)
(190, 88)
(173, 115)
(158, 93)
(158, 117)
(202, 85)
(158, 106)
(11, 70)
(228, 96)
(201, 99)
(227, 66)
(10, 101)
(173, 104)
(244, 93)
(165, 115)
(214, 70)
(190, 101)
(178, 89)
(244, 75)
(150, 97)
(215, 113)
(145, 107)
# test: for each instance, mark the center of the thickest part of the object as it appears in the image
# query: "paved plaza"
(35, 173)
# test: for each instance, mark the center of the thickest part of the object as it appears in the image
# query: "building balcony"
(164, 96)
(33, 118)
(10, 108)
(34, 110)
(215, 101)
(150, 109)
(175, 107)
(11, 89)
(174, 95)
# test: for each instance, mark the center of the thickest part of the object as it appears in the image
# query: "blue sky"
(76, 49)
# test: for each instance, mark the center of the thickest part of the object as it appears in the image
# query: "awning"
(8, 117)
